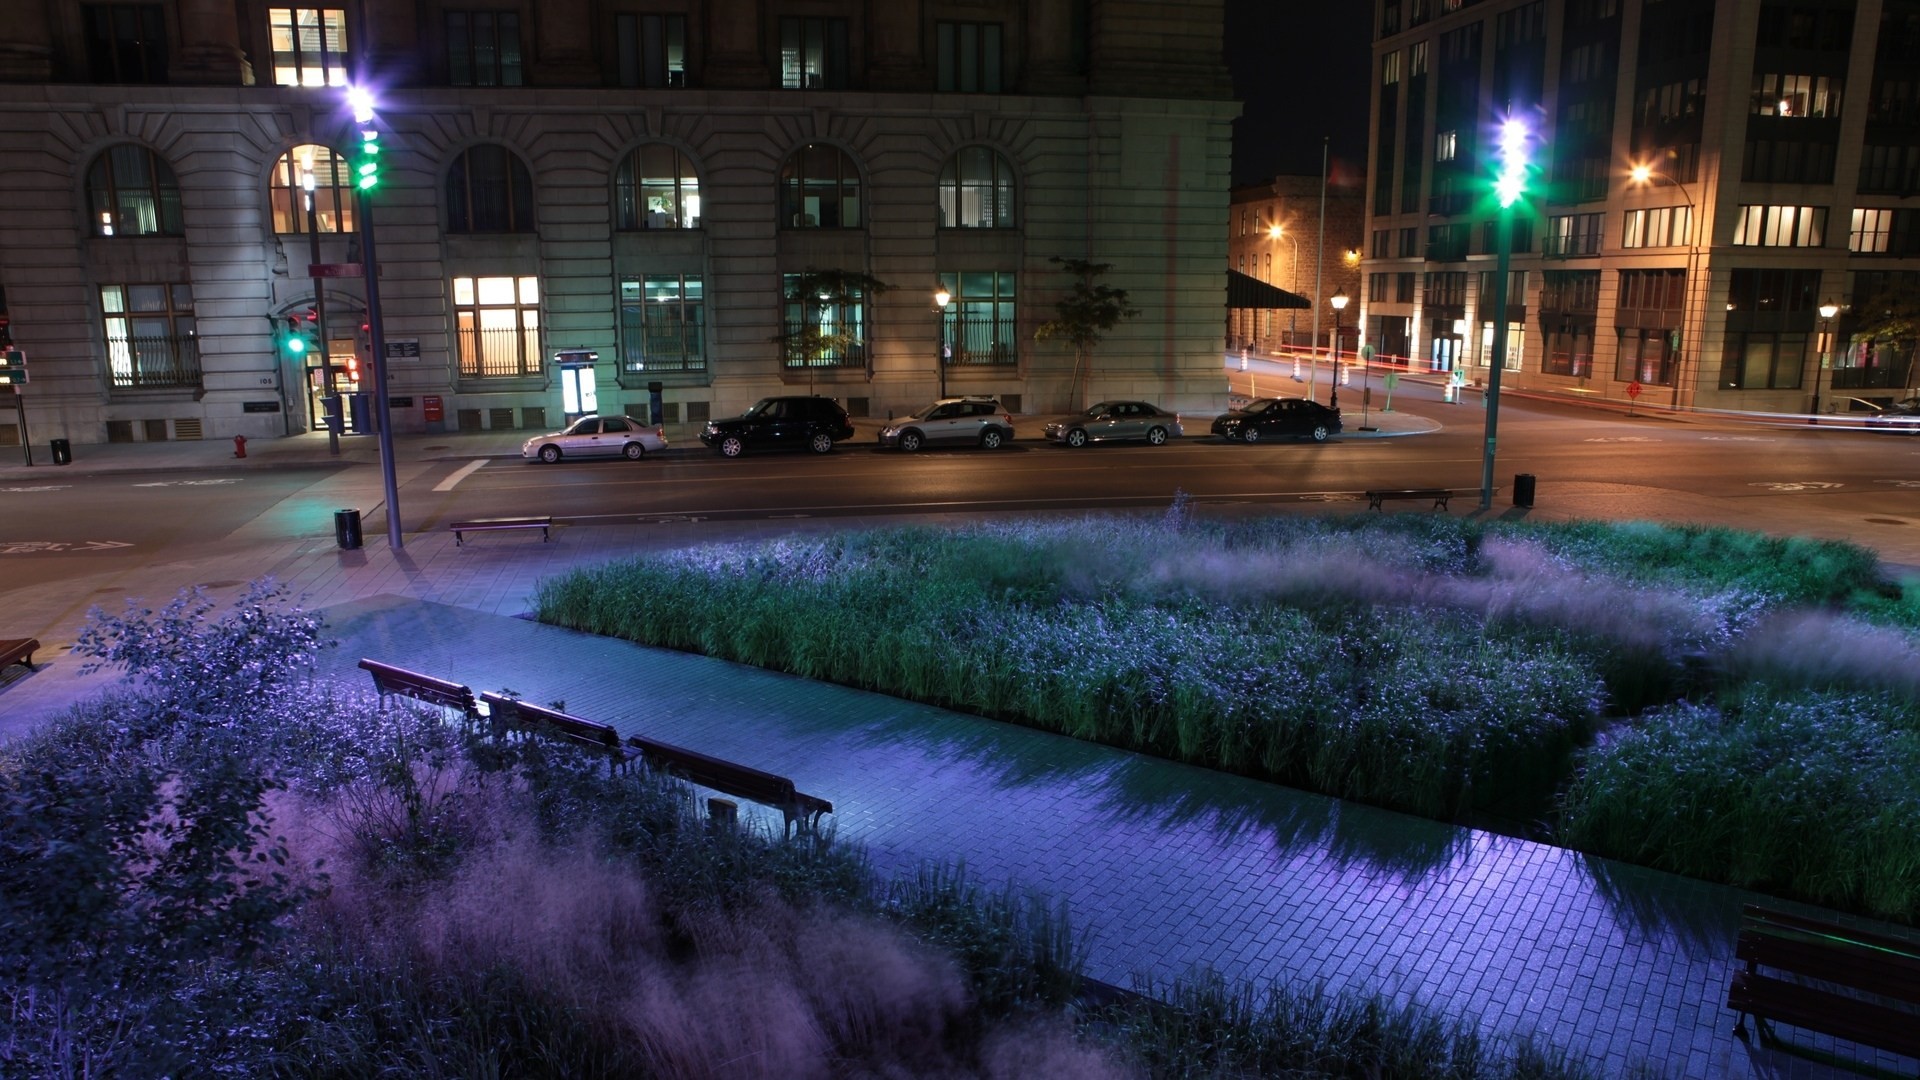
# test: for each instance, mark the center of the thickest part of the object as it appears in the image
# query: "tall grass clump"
(1809, 795)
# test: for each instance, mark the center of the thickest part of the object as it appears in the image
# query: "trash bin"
(1523, 489)
(62, 451)
(346, 529)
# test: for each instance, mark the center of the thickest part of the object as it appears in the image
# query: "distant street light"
(1645, 174)
(1339, 302)
(941, 298)
(329, 393)
(1827, 311)
(1276, 232)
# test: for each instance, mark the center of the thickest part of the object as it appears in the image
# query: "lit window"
(820, 189)
(662, 323)
(1870, 231)
(1809, 96)
(332, 191)
(652, 49)
(1780, 226)
(655, 188)
(976, 191)
(132, 192)
(497, 326)
(822, 330)
(309, 46)
(150, 335)
(980, 321)
(813, 53)
(1660, 226)
(1445, 145)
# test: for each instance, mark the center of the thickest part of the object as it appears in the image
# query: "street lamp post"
(1644, 174)
(1827, 311)
(367, 171)
(1339, 302)
(941, 298)
(329, 394)
(1508, 190)
(1276, 232)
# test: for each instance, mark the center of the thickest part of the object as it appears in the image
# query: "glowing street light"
(941, 298)
(1339, 302)
(1827, 311)
(1509, 186)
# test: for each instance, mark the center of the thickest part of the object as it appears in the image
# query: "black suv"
(781, 423)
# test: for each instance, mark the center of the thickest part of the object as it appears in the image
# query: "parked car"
(781, 423)
(1116, 421)
(1270, 418)
(1901, 417)
(596, 436)
(956, 421)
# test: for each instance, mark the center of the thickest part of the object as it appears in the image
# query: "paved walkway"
(1165, 866)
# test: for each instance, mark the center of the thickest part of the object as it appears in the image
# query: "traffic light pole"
(382, 417)
(329, 394)
(1499, 358)
(20, 406)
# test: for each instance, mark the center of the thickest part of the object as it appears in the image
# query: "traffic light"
(13, 367)
(293, 338)
(366, 156)
(1512, 181)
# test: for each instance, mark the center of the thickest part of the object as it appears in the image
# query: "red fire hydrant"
(239, 446)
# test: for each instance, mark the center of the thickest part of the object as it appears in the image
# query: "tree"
(1892, 315)
(818, 323)
(1083, 317)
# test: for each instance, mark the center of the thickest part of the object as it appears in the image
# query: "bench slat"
(1861, 966)
(543, 522)
(1838, 1015)
(388, 680)
(18, 651)
(1851, 984)
(1440, 496)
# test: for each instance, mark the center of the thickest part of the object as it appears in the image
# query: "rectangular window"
(1403, 284)
(1870, 231)
(1410, 242)
(1763, 361)
(497, 325)
(1795, 95)
(1447, 243)
(1574, 234)
(979, 324)
(822, 333)
(662, 324)
(1390, 69)
(1660, 226)
(813, 53)
(1447, 288)
(1787, 161)
(151, 337)
(126, 43)
(1445, 145)
(1521, 241)
(969, 58)
(652, 50)
(1647, 355)
(1647, 292)
(1417, 59)
(483, 48)
(1780, 226)
(309, 46)
(1382, 243)
(1890, 170)
(1376, 288)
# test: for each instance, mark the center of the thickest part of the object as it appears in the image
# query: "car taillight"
(660, 432)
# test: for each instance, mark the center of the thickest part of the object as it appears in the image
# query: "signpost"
(13, 372)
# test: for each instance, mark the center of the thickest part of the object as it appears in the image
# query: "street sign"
(403, 348)
(335, 270)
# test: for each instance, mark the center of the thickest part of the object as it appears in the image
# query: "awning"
(1244, 291)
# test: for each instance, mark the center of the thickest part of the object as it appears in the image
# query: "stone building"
(1710, 179)
(1275, 236)
(654, 192)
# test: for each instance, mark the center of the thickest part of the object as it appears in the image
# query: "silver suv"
(955, 421)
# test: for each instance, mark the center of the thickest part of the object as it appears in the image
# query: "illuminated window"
(662, 323)
(332, 191)
(813, 53)
(655, 187)
(1795, 95)
(652, 49)
(1445, 145)
(151, 336)
(1870, 231)
(1780, 226)
(1660, 226)
(981, 320)
(820, 189)
(823, 331)
(497, 326)
(976, 191)
(132, 192)
(309, 46)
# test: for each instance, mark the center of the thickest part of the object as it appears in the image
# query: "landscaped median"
(1682, 697)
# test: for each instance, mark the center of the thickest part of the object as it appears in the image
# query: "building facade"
(654, 194)
(1708, 177)
(1275, 236)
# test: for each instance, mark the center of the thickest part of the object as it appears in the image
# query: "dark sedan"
(1271, 418)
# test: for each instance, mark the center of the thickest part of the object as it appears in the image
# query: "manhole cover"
(1885, 521)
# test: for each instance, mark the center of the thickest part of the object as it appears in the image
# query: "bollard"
(239, 446)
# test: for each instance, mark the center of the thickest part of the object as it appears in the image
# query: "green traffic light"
(296, 346)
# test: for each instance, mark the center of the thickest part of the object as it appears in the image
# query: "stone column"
(26, 43)
(564, 30)
(210, 53)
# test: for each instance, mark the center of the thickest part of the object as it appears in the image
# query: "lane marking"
(29, 547)
(465, 471)
(1797, 485)
(42, 487)
(190, 483)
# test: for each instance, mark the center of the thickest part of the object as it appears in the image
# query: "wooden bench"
(741, 781)
(1438, 495)
(1868, 985)
(505, 712)
(544, 523)
(18, 651)
(390, 680)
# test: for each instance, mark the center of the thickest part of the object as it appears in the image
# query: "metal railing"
(143, 363)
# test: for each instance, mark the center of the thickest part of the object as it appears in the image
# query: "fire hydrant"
(239, 446)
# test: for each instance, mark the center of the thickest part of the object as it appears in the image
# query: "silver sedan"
(595, 436)
(1116, 421)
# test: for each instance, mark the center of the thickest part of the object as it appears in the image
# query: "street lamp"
(1509, 187)
(329, 394)
(1645, 174)
(941, 298)
(1827, 311)
(1339, 302)
(366, 168)
(1276, 232)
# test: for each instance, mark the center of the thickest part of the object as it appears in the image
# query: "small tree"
(1083, 317)
(1893, 315)
(815, 321)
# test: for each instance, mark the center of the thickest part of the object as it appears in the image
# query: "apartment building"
(1718, 210)
(597, 204)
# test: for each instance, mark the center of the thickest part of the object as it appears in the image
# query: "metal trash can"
(62, 452)
(346, 529)
(1523, 489)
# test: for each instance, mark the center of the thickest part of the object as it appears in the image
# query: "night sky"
(1301, 68)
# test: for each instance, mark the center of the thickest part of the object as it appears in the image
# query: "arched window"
(819, 189)
(976, 190)
(332, 191)
(655, 188)
(489, 190)
(132, 192)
